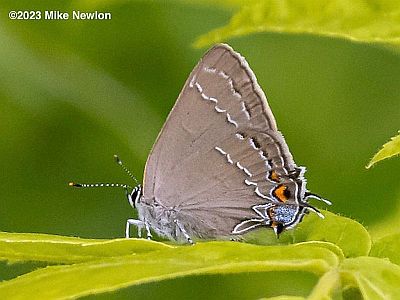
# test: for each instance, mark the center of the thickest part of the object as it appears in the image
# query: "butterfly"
(219, 166)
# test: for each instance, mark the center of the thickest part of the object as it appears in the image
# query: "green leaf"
(389, 149)
(110, 274)
(375, 278)
(361, 20)
(387, 247)
(347, 234)
(327, 286)
(18, 247)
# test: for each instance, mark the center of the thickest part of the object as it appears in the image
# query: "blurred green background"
(73, 93)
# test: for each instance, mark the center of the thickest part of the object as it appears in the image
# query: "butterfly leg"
(149, 235)
(185, 234)
(236, 239)
(138, 223)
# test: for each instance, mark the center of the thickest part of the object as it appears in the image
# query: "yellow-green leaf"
(110, 274)
(387, 247)
(375, 21)
(375, 278)
(344, 232)
(347, 234)
(327, 286)
(19, 247)
(389, 149)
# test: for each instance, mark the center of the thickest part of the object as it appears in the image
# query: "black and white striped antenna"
(103, 184)
(118, 161)
(100, 184)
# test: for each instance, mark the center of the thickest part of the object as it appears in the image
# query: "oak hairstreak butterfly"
(219, 166)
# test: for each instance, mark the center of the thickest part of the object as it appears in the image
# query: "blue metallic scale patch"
(284, 213)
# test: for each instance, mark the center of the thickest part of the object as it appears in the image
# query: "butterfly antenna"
(313, 209)
(100, 184)
(308, 194)
(118, 161)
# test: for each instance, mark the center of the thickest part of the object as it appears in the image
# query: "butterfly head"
(135, 196)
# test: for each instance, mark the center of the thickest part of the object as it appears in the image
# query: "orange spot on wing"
(279, 193)
(274, 176)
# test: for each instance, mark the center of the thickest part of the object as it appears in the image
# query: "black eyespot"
(286, 193)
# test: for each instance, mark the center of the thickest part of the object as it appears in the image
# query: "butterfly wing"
(219, 152)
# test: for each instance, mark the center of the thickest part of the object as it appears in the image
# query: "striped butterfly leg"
(140, 225)
(184, 232)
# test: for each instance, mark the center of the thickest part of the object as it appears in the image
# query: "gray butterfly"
(219, 166)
